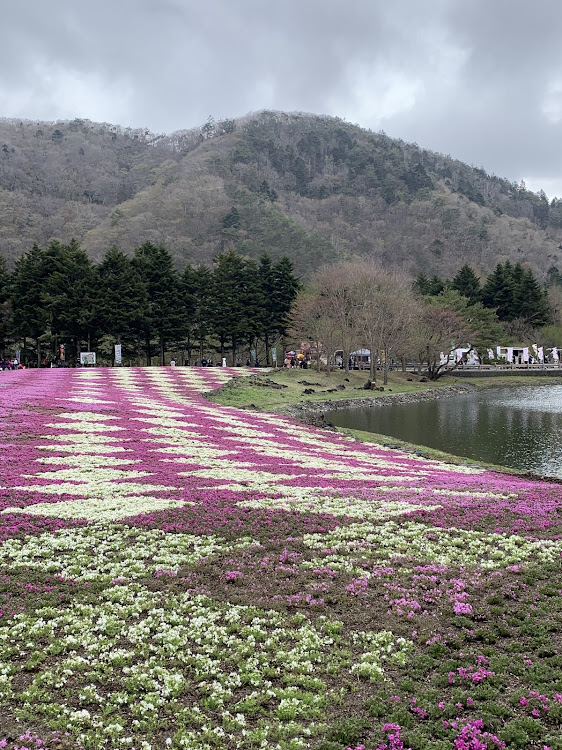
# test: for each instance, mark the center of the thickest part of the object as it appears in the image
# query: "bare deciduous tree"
(386, 312)
(358, 304)
(333, 287)
(440, 330)
(310, 320)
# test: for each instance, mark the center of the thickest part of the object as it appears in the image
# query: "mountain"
(315, 188)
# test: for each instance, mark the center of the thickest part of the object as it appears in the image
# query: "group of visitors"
(291, 362)
(11, 364)
(209, 363)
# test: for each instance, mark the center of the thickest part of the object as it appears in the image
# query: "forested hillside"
(315, 188)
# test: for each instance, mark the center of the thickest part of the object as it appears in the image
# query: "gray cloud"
(480, 80)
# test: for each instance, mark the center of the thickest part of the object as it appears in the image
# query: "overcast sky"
(480, 80)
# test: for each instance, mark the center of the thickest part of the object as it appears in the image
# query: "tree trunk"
(148, 350)
(38, 352)
(385, 369)
(266, 340)
(162, 351)
(374, 357)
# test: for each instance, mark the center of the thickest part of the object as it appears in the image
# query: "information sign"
(87, 358)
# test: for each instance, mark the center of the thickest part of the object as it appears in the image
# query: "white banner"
(490, 354)
(555, 353)
(540, 354)
(117, 354)
(525, 354)
(510, 354)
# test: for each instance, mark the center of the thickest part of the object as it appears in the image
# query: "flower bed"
(179, 574)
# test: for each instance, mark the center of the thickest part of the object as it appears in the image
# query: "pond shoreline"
(312, 412)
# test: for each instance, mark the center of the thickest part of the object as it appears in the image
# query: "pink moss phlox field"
(426, 594)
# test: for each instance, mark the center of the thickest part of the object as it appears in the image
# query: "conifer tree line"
(58, 296)
(511, 290)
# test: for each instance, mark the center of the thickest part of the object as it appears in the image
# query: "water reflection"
(518, 427)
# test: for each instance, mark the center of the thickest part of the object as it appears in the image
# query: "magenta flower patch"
(174, 573)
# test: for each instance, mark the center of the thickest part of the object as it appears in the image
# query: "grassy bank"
(261, 394)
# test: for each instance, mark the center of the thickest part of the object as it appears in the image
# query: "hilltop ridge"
(316, 188)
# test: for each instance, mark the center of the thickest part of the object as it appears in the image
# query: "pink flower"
(233, 575)
(462, 609)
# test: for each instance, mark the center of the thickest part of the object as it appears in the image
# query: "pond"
(519, 427)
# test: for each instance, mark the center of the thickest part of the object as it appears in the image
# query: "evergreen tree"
(417, 178)
(515, 293)
(231, 299)
(232, 219)
(53, 289)
(255, 307)
(27, 282)
(189, 302)
(69, 294)
(5, 307)
(436, 284)
(165, 320)
(466, 282)
(266, 302)
(431, 286)
(554, 277)
(200, 286)
(285, 288)
(497, 291)
(533, 303)
(123, 298)
(421, 284)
